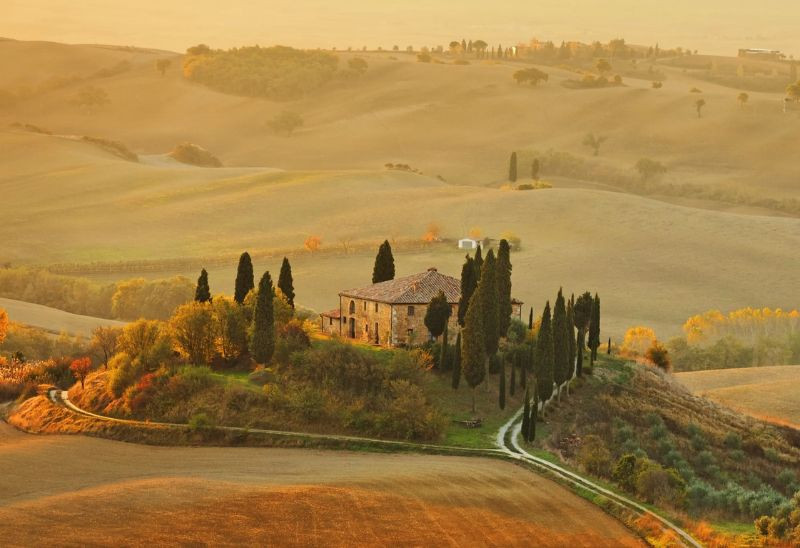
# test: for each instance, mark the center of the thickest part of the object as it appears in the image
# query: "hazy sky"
(713, 26)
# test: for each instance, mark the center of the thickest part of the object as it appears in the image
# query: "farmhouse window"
(410, 310)
(352, 307)
(376, 307)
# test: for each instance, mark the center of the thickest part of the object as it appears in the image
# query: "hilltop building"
(392, 313)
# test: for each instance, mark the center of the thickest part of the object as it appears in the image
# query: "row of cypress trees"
(262, 340)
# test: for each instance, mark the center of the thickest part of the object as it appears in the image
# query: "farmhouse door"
(377, 335)
(352, 328)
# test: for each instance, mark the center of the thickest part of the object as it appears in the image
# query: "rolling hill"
(52, 319)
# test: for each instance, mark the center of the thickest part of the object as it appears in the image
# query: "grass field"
(71, 202)
(113, 491)
(52, 319)
(769, 393)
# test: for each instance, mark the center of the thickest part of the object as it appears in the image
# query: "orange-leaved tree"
(80, 368)
(3, 325)
(313, 243)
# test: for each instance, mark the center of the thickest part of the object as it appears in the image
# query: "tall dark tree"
(469, 281)
(526, 415)
(244, 278)
(560, 343)
(583, 313)
(503, 282)
(456, 378)
(473, 346)
(437, 315)
(286, 282)
(594, 329)
(544, 357)
(444, 351)
(523, 362)
(535, 169)
(384, 264)
(534, 418)
(571, 338)
(478, 262)
(512, 168)
(487, 289)
(262, 342)
(203, 293)
(512, 385)
(501, 397)
(530, 320)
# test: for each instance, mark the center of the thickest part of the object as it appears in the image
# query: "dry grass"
(52, 319)
(116, 493)
(769, 393)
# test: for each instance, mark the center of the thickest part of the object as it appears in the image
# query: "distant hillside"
(52, 319)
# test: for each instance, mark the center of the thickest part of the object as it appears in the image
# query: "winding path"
(507, 441)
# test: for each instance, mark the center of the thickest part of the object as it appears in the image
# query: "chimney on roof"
(432, 269)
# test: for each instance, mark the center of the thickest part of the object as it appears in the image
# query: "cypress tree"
(262, 343)
(469, 281)
(560, 343)
(609, 346)
(512, 387)
(526, 416)
(544, 357)
(487, 288)
(501, 398)
(534, 417)
(512, 168)
(530, 320)
(473, 350)
(443, 353)
(244, 278)
(286, 282)
(583, 313)
(503, 280)
(523, 369)
(535, 169)
(594, 329)
(478, 262)
(438, 315)
(202, 294)
(384, 264)
(456, 379)
(571, 339)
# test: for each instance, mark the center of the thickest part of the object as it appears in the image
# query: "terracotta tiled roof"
(335, 313)
(416, 289)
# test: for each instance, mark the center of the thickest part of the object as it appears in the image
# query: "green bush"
(200, 422)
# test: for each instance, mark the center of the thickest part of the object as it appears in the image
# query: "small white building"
(468, 243)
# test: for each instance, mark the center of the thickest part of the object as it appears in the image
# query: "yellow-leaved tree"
(637, 341)
(3, 325)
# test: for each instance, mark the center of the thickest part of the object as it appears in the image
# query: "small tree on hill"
(698, 105)
(192, 328)
(90, 98)
(384, 264)
(512, 168)
(469, 281)
(313, 243)
(80, 369)
(104, 339)
(357, 65)
(286, 282)
(203, 293)
(456, 377)
(286, 123)
(594, 141)
(162, 65)
(658, 355)
(262, 340)
(742, 98)
(650, 169)
(535, 169)
(594, 329)
(437, 315)
(244, 278)
(603, 66)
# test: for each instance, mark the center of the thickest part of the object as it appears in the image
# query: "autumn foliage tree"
(3, 325)
(192, 330)
(81, 368)
(312, 244)
(104, 339)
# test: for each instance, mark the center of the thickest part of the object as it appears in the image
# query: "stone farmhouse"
(392, 313)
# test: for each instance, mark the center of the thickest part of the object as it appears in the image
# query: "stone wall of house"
(328, 325)
(403, 321)
(372, 320)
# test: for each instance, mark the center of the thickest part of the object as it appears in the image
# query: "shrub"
(146, 341)
(625, 472)
(200, 422)
(408, 415)
(594, 456)
(189, 153)
(733, 440)
(762, 525)
(124, 372)
(424, 57)
(658, 485)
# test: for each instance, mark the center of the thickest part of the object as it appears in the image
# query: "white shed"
(467, 243)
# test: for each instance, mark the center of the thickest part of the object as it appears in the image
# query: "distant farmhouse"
(392, 313)
(765, 54)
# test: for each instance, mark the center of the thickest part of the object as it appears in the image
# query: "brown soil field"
(769, 393)
(73, 490)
